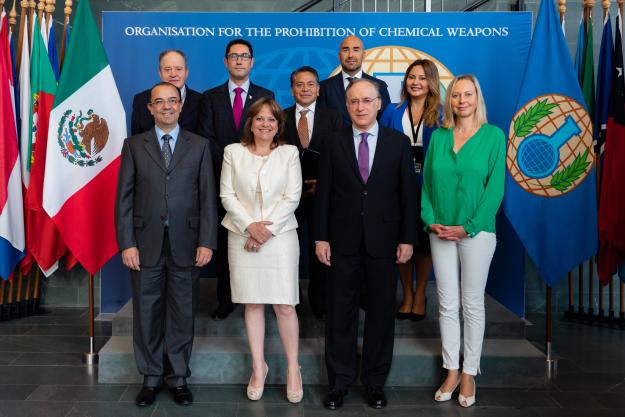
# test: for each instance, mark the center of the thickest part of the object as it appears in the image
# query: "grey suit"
(165, 289)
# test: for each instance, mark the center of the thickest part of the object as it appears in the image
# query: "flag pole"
(3, 285)
(551, 363)
(40, 9)
(622, 304)
(12, 17)
(36, 292)
(10, 311)
(20, 36)
(68, 11)
(91, 357)
(49, 11)
(31, 12)
(612, 309)
(28, 297)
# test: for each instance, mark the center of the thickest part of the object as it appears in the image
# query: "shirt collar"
(299, 107)
(346, 75)
(174, 133)
(373, 130)
(245, 86)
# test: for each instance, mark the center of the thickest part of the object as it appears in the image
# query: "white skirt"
(269, 276)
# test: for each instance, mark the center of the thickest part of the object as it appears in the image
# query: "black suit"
(332, 94)
(325, 122)
(216, 122)
(364, 223)
(142, 121)
(165, 289)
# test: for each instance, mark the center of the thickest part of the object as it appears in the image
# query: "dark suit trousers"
(348, 275)
(164, 305)
(224, 294)
(316, 270)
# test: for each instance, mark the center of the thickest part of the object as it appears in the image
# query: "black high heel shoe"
(419, 317)
(403, 316)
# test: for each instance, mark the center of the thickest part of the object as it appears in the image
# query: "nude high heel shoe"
(296, 396)
(467, 402)
(256, 394)
(441, 396)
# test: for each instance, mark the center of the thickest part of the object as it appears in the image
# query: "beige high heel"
(256, 394)
(296, 396)
(441, 396)
(467, 402)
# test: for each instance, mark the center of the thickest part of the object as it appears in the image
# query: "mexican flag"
(43, 240)
(87, 129)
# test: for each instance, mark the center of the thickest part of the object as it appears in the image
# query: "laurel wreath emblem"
(69, 142)
(525, 123)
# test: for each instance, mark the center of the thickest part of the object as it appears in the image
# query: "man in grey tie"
(166, 222)
(365, 221)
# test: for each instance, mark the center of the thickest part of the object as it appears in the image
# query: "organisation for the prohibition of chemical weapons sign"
(493, 46)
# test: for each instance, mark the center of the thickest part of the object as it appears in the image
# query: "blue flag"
(54, 58)
(604, 83)
(579, 51)
(550, 195)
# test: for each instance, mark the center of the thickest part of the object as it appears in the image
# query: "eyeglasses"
(366, 101)
(235, 57)
(172, 101)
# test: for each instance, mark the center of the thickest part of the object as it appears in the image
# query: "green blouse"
(464, 188)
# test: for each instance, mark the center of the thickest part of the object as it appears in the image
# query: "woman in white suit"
(261, 184)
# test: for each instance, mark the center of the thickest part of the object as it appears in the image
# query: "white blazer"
(280, 184)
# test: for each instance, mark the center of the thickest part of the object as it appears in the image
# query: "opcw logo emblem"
(550, 149)
(82, 137)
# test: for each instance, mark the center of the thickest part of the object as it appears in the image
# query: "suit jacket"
(280, 183)
(142, 121)
(332, 95)
(325, 122)
(393, 115)
(216, 121)
(147, 192)
(381, 212)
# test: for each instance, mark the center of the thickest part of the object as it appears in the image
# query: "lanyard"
(415, 133)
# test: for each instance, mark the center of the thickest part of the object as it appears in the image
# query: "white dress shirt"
(310, 116)
(372, 141)
(231, 87)
(346, 76)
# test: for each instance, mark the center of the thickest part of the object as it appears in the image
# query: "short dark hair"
(276, 111)
(175, 51)
(165, 84)
(305, 68)
(239, 42)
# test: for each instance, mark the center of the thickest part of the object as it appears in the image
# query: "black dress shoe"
(419, 317)
(222, 311)
(182, 395)
(376, 397)
(146, 396)
(403, 316)
(334, 399)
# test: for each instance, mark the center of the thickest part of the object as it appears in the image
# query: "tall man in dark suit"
(166, 221)
(222, 116)
(172, 68)
(307, 125)
(365, 221)
(332, 93)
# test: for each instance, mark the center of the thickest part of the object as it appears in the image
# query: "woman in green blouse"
(463, 184)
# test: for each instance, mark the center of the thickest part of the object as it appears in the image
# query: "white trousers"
(461, 270)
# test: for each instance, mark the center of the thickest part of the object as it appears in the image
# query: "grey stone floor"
(41, 375)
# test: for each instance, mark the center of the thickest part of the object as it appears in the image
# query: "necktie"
(237, 106)
(302, 128)
(351, 80)
(166, 150)
(363, 156)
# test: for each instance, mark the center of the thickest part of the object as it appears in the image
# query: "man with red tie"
(221, 118)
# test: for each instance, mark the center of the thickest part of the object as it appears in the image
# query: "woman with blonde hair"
(463, 185)
(261, 184)
(417, 115)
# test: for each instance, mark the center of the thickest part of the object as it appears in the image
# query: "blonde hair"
(449, 118)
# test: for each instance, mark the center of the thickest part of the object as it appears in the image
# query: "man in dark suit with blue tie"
(307, 125)
(166, 224)
(332, 92)
(365, 222)
(222, 116)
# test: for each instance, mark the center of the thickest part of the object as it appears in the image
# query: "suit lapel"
(349, 149)
(317, 127)
(378, 154)
(182, 148)
(227, 107)
(153, 148)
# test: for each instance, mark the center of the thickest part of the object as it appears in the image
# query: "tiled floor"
(41, 375)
